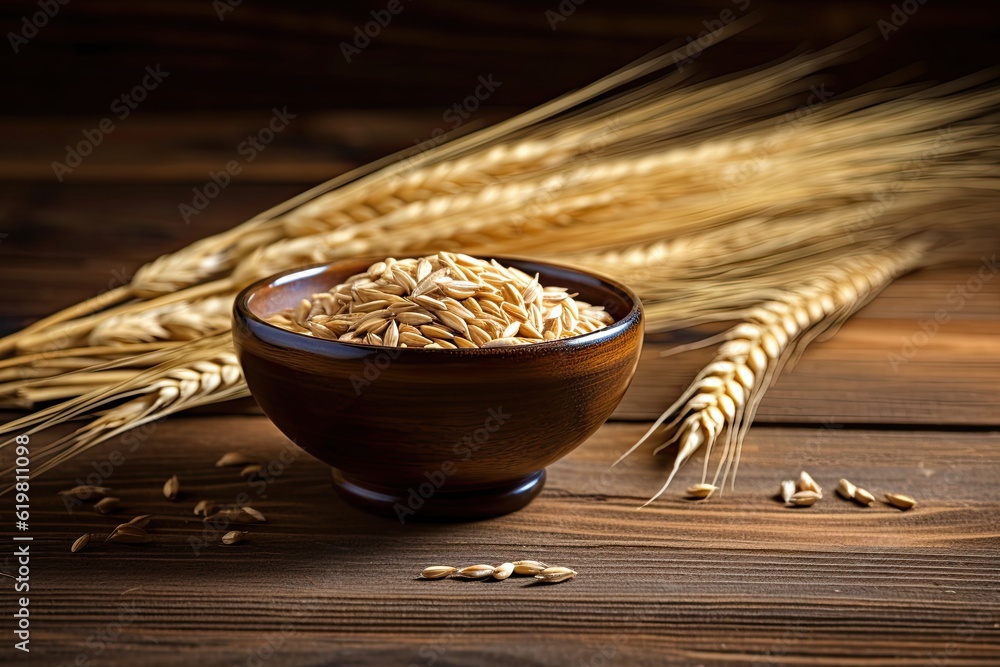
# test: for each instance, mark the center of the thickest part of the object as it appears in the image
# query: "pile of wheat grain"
(444, 301)
(715, 201)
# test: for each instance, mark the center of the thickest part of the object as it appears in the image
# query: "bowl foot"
(437, 505)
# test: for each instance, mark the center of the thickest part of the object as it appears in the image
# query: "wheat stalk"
(598, 192)
(158, 359)
(211, 373)
(212, 257)
(723, 399)
(470, 162)
(175, 321)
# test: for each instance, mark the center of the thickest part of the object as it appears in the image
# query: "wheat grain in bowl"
(443, 301)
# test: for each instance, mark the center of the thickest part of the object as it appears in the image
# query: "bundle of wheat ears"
(742, 201)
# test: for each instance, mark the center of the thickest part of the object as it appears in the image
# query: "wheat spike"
(723, 399)
(210, 374)
(176, 321)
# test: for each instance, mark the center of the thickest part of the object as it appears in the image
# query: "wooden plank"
(736, 580)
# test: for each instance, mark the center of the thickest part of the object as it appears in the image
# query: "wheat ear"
(723, 399)
(209, 374)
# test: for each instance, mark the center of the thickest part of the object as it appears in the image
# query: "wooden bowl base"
(438, 505)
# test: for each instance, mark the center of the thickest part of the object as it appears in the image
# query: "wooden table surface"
(736, 580)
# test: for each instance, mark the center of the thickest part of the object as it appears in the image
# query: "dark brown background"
(267, 52)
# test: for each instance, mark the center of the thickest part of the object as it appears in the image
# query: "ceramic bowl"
(436, 434)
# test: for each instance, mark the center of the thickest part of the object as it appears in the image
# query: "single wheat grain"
(807, 483)
(84, 492)
(108, 505)
(251, 470)
(788, 490)
(528, 566)
(805, 498)
(846, 489)
(233, 459)
(438, 571)
(204, 508)
(554, 575)
(503, 571)
(80, 543)
(128, 533)
(701, 490)
(475, 572)
(900, 500)
(234, 536)
(171, 488)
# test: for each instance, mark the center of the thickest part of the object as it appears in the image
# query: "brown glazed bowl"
(436, 434)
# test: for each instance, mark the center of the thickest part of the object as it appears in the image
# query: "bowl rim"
(293, 339)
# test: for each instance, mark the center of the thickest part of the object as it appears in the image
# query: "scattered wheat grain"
(475, 572)
(528, 567)
(503, 571)
(900, 500)
(171, 488)
(700, 491)
(80, 543)
(234, 536)
(554, 575)
(233, 459)
(108, 505)
(438, 571)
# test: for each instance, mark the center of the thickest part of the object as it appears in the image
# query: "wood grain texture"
(737, 580)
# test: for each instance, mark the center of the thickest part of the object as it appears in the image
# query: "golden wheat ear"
(724, 398)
